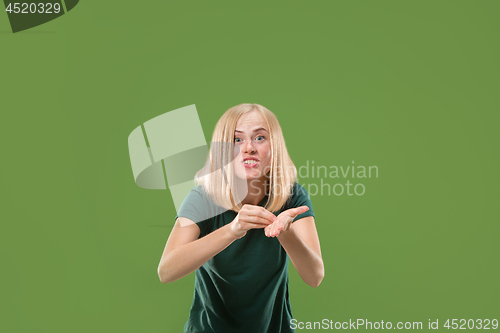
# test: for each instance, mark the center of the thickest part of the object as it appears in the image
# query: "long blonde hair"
(218, 180)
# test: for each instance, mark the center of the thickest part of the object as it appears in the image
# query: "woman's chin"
(250, 175)
(255, 177)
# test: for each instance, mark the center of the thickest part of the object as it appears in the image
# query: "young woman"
(240, 225)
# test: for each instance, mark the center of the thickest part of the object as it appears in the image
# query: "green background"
(411, 87)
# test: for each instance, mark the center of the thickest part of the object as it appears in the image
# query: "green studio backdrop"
(410, 87)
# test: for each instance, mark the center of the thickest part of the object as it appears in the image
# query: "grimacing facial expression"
(252, 138)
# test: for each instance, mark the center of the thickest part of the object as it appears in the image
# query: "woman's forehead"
(251, 121)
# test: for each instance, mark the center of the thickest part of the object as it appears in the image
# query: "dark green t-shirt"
(244, 288)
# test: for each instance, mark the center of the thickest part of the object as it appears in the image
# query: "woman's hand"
(251, 217)
(284, 220)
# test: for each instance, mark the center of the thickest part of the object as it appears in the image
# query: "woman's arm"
(184, 252)
(301, 243)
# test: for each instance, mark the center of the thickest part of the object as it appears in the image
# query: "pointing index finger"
(299, 210)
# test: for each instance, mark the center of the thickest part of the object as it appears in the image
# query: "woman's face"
(252, 138)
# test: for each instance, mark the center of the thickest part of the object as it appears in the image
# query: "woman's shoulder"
(298, 191)
(198, 205)
(198, 190)
(194, 204)
(195, 194)
(300, 197)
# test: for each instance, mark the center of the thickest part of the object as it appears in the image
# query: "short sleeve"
(300, 197)
(195, 207)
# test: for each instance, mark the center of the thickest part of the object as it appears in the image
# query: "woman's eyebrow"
(255, 130)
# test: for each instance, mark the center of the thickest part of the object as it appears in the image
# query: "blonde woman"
(238, 228)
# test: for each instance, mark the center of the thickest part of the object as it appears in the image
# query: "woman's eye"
(237, 140)
(260, 138)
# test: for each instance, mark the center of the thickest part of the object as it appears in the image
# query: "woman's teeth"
(250, 161)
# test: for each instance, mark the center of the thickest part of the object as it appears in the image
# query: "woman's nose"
(248, 147)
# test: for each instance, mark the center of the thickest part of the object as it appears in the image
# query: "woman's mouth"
(250, 163)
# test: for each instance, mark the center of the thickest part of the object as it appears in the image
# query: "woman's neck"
(256, 192)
